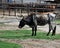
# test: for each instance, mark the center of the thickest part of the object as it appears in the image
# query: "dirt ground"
(35, 43)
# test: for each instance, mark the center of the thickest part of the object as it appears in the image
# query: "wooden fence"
(12, 9)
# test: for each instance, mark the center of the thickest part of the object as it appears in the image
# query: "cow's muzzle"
(19, 26)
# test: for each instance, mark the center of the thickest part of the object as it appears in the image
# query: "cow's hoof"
(47, 35)
(53, 34)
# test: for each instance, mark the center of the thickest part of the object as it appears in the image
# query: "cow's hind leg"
(50, 28)
(48, 32)
(54, 31)
(35, 30)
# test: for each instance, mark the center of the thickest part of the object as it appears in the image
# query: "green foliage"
(9, 45)
(26, 34)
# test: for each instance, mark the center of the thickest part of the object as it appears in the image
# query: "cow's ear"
(23, 17)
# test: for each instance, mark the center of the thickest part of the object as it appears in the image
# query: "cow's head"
(21, 23)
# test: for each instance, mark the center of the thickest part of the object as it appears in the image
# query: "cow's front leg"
(35, 30)
(32, 31)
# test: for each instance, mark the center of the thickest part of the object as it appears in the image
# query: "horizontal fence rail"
(13, 9)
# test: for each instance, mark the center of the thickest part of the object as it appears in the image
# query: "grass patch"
(58, 21)
(9, 45)
(26, 34)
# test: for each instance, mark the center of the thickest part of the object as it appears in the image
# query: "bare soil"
(35, 43)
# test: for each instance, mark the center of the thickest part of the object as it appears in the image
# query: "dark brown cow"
(32, 20)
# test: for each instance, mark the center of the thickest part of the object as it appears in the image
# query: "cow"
(33, 20)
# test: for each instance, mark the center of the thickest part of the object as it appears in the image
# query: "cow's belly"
(42, 22)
